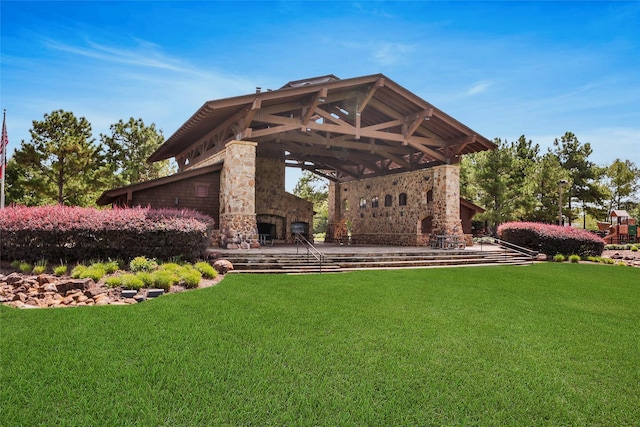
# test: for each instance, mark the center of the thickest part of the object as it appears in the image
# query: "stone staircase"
(273, 262)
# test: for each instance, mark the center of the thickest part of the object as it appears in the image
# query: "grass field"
(548, 344)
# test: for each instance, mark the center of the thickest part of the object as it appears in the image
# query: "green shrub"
(111, 267)
(39, 269)
(94, 271)
(609, 260)
(131, 281)
(190, 277)
(558, 258)
(146, 277)
(25, 267)
(621, 264)
(60, 270)
(574, 259)
(171, 266)
(16, 264)
(164, 279)
(78, 270)
(634, 248)
(206, 269)
(142, 263)
(113, 281)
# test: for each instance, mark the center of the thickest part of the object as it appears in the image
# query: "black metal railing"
(529, 253)
(312, 251)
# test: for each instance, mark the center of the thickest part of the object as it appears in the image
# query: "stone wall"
(273, 204)
(406, 203)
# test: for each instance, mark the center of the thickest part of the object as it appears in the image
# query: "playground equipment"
(621, 229)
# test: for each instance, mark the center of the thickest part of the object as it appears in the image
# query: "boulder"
(222, 266)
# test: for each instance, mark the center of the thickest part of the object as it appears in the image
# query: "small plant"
(634, 248)
(131, 281)
(40, 267)
(60, 270)
(110, 267)
(16, 264)
(574, 259)
(621, 264)
(94, 272)
(25, 267)
(171, 266)
(558, 258)
(164, 279)
(142, 264)
(113, 281)
(206, 269)
(190, 277)
(146, 277)
(77, 271)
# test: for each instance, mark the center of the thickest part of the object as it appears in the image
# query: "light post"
(561, 184)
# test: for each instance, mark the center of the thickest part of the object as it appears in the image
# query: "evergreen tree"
(584, 174)
(127, 150)
(624, 182)
(61, 164)
(492, 175)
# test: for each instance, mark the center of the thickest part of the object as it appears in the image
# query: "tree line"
(64, 164)
(517, 182)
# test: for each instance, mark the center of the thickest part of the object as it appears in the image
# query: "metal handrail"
(508, 245)
(311, 250)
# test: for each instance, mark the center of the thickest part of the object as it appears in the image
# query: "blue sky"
(504, 69)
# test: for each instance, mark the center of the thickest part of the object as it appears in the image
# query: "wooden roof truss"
(339, 129)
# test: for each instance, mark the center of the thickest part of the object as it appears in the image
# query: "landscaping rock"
(222, 266)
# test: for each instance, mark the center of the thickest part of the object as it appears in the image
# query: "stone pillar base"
(237, 228)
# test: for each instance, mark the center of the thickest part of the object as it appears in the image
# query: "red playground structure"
(621, 229)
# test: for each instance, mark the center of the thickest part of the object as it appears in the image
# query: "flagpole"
(3, 148)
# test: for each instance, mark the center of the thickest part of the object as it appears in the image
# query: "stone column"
(446, 201)
(238, 194)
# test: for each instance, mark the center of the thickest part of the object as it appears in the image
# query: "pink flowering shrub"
(552, 239)
(77, 234)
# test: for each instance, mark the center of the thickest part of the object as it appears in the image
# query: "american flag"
(3, 145)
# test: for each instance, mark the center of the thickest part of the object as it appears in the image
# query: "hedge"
(552, 239)
(78, 234)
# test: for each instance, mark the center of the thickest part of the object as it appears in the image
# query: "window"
(374, 202)
(363, 203)
(388, 200)
(345, 204)
(429, 196)
(402, 199)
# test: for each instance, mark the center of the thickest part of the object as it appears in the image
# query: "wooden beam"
(379, 83)
(322, 94)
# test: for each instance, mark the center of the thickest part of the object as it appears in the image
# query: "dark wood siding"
(184, 193)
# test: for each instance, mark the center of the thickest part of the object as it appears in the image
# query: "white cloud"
(388, 53)
(479, 87)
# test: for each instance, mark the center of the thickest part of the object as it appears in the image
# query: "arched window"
(374, 202)
(429, 196)
(363, 203)
(402, 199)
(388, 200)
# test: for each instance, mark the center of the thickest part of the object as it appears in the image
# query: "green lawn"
(549, 344)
